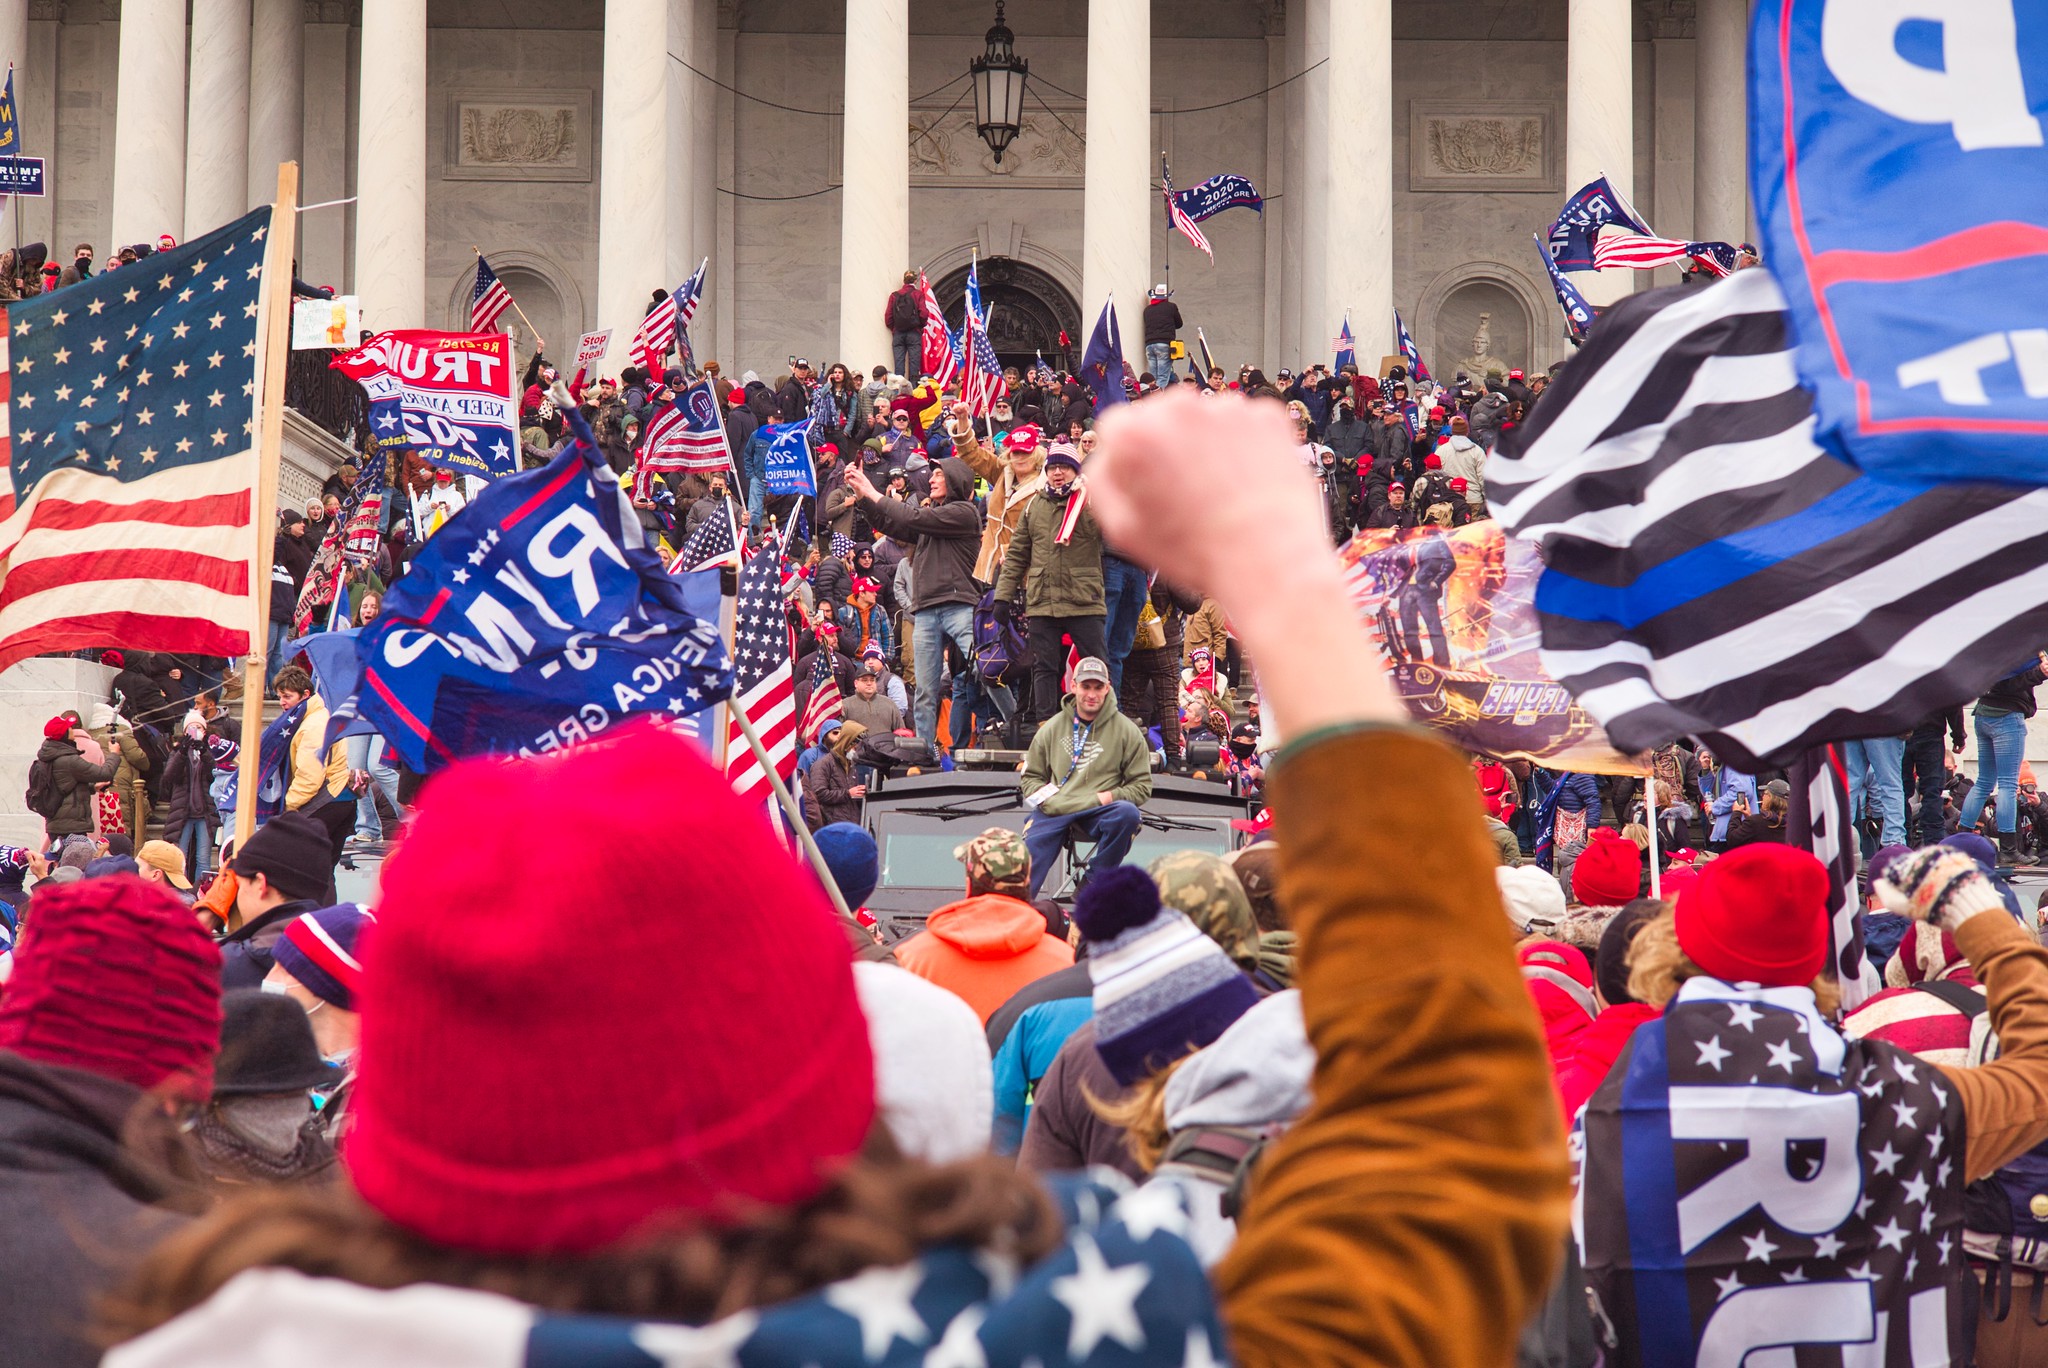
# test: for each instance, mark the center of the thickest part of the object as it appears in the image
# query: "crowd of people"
(1444, 1066)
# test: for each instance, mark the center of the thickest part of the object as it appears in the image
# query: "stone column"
(704, 204)
(1285, 349)
(1720, 184)
(1356, 229)
(391, 166)
(1600, 116)
(277, 94)
(1273, 229)
(217, 117)
(1310, 195)
(14, 52)
(149, 122)
(323, 255)
(683, 252)
(632, 219)
(1116, 197)
(874, 195)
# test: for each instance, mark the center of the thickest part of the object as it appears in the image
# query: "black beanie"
(1610, 962)
(291, 850)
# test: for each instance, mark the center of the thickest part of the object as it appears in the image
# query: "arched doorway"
(1029, 312)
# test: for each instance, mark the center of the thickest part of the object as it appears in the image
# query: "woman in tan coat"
(1014, 479)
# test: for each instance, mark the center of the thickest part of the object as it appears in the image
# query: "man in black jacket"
(1927, 771)
(282, 872)
(947, 534)
(1162, 324)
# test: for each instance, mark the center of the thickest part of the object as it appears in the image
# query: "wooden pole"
(796, 816)
(274, 340)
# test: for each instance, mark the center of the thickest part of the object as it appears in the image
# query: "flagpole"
(275, 320)
(796, 816)
(540, 344)
(1656, 883)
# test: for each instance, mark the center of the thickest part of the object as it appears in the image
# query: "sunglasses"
(899, 418)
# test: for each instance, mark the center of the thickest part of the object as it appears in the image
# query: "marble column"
(704, 204)
(1310, 194)
(874, 195)
(1599, 134)
(683, 250)
(632, 218)
(323, 255)
(1117, 202)
(1721, 125)
(149, 122)
(217, 117)
(14, 52)
(1356, 229)
(391, 166)
(1273, 229)
(277, 94)
(1285, 349)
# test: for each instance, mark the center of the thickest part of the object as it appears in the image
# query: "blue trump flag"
(1409, 351)
(1579, 223)
(1347, 348)
(1907, 220)
(10, 119)
(537, 617)
(788, 458)
(1216, 194)
(1578, 315)
(1102, 364)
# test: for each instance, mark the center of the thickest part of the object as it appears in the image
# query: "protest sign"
(591, 347)
(326, 324)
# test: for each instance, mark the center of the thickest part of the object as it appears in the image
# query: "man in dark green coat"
(1055, 559)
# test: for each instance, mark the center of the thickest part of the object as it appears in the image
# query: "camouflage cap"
(997, 856)
(1207, 891)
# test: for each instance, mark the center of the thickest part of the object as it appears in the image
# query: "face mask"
(272, 986)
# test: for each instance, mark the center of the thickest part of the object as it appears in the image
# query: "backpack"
(1002, 654)
(904, 313)
(42, 795)
(2005, 1216)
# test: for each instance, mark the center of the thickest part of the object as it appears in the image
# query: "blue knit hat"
(1162, 988)
(851, 855)
(319, 950)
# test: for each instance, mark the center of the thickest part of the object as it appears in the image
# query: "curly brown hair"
(881, 1210)
(1657, 966)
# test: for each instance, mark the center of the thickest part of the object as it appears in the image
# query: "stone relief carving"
(47, 10)
(1482, 145)
(544, 135)
(1485, 147)
(945, 150)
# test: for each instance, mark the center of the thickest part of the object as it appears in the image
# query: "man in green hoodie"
(1087, 768)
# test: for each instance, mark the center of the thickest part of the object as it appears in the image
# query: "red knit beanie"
(56, 727)
(1609, 871)
(554, 1057)
(1758, 915)
(116, 977)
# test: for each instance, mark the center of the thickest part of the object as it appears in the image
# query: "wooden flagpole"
(274, 333)
(796, 816)
(540, 344)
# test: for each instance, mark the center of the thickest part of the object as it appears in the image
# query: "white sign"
(322, 324)
(591, 347)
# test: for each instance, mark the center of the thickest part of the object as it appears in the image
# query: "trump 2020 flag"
(10, 119)
(1409, 351)
(1214, 195)
(1102, 364)
(1578, 315)
(454, 393)
(789, 469)
(1578, 224)
(1898, 155)
(537, 617)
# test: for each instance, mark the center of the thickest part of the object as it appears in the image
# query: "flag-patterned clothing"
(127, 457)
(488, 299)
(764, 678)
(1752, 1181)
(1918, 1022)
(1712, 571)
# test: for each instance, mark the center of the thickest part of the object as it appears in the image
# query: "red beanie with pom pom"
(1758, 915)
(1609, 871)
(681, 1037)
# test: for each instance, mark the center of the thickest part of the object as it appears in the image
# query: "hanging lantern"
(998, 76)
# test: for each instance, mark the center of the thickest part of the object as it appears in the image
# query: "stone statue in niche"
(1482, 360)
(1486, 147)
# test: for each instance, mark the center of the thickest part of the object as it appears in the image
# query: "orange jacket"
(984, 949)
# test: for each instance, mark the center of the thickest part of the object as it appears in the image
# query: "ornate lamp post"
(998, 76)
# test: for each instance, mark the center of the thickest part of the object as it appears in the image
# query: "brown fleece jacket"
(1416, 1213)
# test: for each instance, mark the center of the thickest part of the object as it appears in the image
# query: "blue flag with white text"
(10, 119)
(789, 469)
(1907, 220)
(1102, 364)
(537, 617)
(1578, 224)
(1578, 315)
(1347, 348)
(1216, 194)
(1409, 351)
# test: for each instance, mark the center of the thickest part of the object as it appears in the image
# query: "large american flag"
(764, 678)
(941, 362)
(655, 335)
(1177, 217)
(686, 434)
(714, 545)
(824, 703)
(489, 299)
(127, 459)
(983, 383)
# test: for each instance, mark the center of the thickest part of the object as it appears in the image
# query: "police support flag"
(537, 617)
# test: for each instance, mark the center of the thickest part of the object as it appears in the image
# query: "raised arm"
(1416, 1213)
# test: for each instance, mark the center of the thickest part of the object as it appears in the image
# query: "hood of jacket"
(1254, 1073)
(959, 478)
(1461, 444)
(988, 926)
(55, 746)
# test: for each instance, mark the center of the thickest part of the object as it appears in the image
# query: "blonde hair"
(1141, 1114)
(1657, 966)
(1638, 833)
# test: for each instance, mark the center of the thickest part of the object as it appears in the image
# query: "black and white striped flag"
(1713, 572)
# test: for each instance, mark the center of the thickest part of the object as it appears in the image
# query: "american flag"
(941, 361)
(687, 434)
(1638, 252)
(823, 704)
(764, 679)
(1177, 217)
(983, 384)
(687, 296)
(489, 299)
(655, 335)
(127, 454)
(715, 543)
